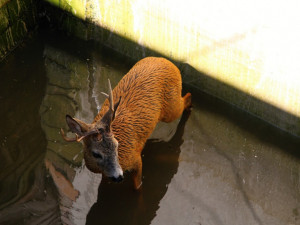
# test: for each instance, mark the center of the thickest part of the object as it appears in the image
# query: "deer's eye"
(97, 137)
(97, 155)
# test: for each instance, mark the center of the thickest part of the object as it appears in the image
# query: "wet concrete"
(218, 165)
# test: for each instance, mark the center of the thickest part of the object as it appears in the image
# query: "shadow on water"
(120, 204)
(22, 141)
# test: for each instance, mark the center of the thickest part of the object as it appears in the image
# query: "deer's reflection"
(120, 204)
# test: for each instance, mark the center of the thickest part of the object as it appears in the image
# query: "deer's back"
(146, 92)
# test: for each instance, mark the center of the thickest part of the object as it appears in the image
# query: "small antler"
(106, 95)
(108, 116)
(111, 100)
(77, 138)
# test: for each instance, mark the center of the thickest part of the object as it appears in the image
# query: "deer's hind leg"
(187, 100)
(174, 108)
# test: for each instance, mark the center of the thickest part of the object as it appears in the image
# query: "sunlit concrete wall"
(17, 18)
(244, 52)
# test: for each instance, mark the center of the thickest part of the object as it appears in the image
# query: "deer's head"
(100, 145)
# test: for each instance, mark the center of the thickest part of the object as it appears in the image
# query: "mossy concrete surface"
(242, 52)
(17, 18)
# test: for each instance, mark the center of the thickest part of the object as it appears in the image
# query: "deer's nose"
(117, 179)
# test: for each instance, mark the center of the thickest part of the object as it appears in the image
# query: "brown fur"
(150, 92)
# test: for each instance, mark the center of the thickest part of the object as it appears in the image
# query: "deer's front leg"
(137, 174)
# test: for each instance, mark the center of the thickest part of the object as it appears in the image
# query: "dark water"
(217, 165)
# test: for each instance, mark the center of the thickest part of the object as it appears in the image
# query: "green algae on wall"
(74, 7)
(17, 18)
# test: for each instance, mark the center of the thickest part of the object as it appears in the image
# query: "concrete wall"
(244, 52)
(17, 18)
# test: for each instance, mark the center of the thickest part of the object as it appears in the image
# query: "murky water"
(216, 166)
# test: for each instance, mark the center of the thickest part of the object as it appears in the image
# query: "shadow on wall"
(186, 70)
(192, 78)
(160, 160)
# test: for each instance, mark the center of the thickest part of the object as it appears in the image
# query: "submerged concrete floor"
(218, 165)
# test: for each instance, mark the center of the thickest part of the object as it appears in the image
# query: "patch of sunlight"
(250, 45)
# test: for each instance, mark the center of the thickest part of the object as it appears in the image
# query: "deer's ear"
(76, 125)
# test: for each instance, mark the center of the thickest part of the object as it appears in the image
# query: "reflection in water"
(68, 91)
(75, 82)
(75, 199)
(120, 204)
(22, 142)
(230, 169)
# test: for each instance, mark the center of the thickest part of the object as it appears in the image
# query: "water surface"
(217, 165)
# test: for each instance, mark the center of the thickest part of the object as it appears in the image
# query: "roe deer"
(150, 92)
